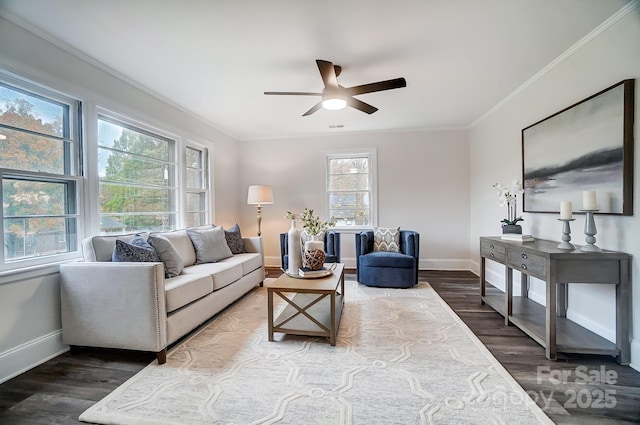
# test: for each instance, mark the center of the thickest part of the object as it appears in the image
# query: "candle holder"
(566, 234)
(589, 231)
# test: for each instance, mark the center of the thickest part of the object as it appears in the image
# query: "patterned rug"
(402, 357)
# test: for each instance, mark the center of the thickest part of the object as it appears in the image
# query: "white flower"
(508, 198)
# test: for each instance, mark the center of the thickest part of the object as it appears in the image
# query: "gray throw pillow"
(173, 264)
(234, 239)
(137, 250)
(386, 239)
(210, 245)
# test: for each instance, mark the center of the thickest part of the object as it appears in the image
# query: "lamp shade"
(259, 195)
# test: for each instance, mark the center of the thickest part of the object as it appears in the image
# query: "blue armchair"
(388, 269)
(331, 248)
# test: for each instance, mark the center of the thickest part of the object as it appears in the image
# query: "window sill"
(351, 229)
(31, 272)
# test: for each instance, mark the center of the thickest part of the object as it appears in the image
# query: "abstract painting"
(587, 146)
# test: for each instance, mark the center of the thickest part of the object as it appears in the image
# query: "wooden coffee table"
(314, 305)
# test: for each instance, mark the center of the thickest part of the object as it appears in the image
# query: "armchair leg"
(162, 356)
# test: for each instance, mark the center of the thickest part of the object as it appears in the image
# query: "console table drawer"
(493, 251)
(534, 265)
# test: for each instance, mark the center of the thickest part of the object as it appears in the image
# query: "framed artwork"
(585, 147)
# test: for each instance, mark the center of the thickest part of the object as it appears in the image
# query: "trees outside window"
(196, 161)
(350, 189)
(39, 171)
(136, 171)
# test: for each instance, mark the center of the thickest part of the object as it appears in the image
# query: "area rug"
(402, 357)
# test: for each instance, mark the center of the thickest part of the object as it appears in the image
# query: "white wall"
(495, 143)
(422, 185)
(435, 182)
(30, 302)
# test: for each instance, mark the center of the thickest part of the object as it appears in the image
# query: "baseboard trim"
(444, 264)
(26, 356)
(635, 354)
(424, 264)
(585, 322)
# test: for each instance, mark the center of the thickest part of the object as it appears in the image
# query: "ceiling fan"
(334, 96)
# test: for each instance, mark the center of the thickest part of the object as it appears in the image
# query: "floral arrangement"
(311, 222)
(508, 198)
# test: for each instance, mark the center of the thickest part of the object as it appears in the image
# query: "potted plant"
(313, 256)
(508, 198)
(312, 223)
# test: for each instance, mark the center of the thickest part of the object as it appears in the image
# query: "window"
(350, 189)
(136, 173)
(39, 169)
(196, 165)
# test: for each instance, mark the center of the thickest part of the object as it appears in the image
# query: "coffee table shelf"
(290, 321)
(314, 307)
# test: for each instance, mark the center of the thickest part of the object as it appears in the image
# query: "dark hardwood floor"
(576, 389)
(582, 389)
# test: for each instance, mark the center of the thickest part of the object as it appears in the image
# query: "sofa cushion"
(182, 243)
(138, 250)
(234, 239)
(173, 264)
(183, 289)
(387, 259)
(100, 248)
(222, 273)
(210, 245)
(386, 239)
(249, 261)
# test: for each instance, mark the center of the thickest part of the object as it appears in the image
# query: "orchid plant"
(508, 198)
(311, 222)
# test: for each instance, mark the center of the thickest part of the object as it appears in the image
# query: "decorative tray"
(315, 276)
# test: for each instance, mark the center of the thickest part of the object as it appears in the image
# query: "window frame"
(371, 155)
(172, 150)
(71, 176)
(204, 191)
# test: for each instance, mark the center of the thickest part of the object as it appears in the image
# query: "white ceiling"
(215, 58)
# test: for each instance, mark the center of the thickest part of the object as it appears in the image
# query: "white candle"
(589, 200)
(566, 210)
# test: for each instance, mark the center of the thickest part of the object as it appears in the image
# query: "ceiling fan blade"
(328, 73)
(396, 83)
(313, 109)
(361, 106)
(292, 93)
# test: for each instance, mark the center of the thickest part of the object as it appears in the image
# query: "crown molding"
(612, 20)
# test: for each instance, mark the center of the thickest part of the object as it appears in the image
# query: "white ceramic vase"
(293, 249)
(314, 243)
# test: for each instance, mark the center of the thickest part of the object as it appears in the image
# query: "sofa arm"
(114, 305)
(410, 243)
(364, 242)
(253, 244)
(332, 244)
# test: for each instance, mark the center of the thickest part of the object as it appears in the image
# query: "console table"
(557, 268)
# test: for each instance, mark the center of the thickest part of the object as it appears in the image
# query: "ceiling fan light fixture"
(334, 104)
(335, 96)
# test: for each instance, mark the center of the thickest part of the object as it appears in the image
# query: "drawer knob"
(524, 256)
(491, 246)
(523, 266)
(491, 255)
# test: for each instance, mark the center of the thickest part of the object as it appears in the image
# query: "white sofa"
(131, 305)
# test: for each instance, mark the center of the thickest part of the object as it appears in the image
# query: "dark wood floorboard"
(571, 400)
(58, 391)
